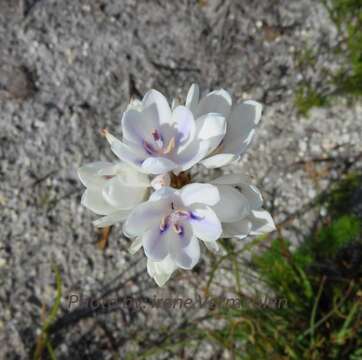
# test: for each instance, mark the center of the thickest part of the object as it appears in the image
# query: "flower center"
(158, 145)
(180, 180)
(174, 220)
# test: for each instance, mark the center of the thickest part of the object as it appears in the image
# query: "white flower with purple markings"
(172, 222)
(157, 139)
(151, 189)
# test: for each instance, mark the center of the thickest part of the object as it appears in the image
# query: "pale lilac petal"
(155, 243)
(262, 223)
(184, 123)
(145, 216)
(218, 101)
(186, 257)
(165, 193)
(93, 200)
(157, 165)
(163, 108)
(138, 126)
(199, 193)
(133, 155)
(233, 205)
(205, 224)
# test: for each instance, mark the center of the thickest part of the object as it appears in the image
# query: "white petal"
(158, 165)
(218, 101)
(185, 257)
(219, 160)
(233, 205)
(211, 125)
(89, 173)
(145, 216)
(192, 98)
(205, 224)
(111, 219)
(241, 124)
(163, 108)
(232, 179)
(93, 200)
(239, 229)
(253, 195)
(191, 155)
(262, 222)
(155, 243)
(199, 193)
(132, 155)
(167, 265)
(161, 271)
(258, 109)
(122, 196)
(138, 126)
(129, 176)
(164, 193)
(184, 123)
(135, 246)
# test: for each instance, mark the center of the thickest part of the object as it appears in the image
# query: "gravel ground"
(68, 68)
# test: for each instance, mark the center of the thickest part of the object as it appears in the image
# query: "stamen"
(157, 137)
(171, 146)
(164, 223)
(149, 148)
(178, 229)
(196, 217)
(183, 213)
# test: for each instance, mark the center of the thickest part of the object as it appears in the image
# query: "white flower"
(240, 208)
(157, 139)
(165, 142)
(242, 120)
(161, 271)
(171, 222)
(112, 190)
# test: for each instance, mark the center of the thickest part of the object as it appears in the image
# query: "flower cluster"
(150, 188)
